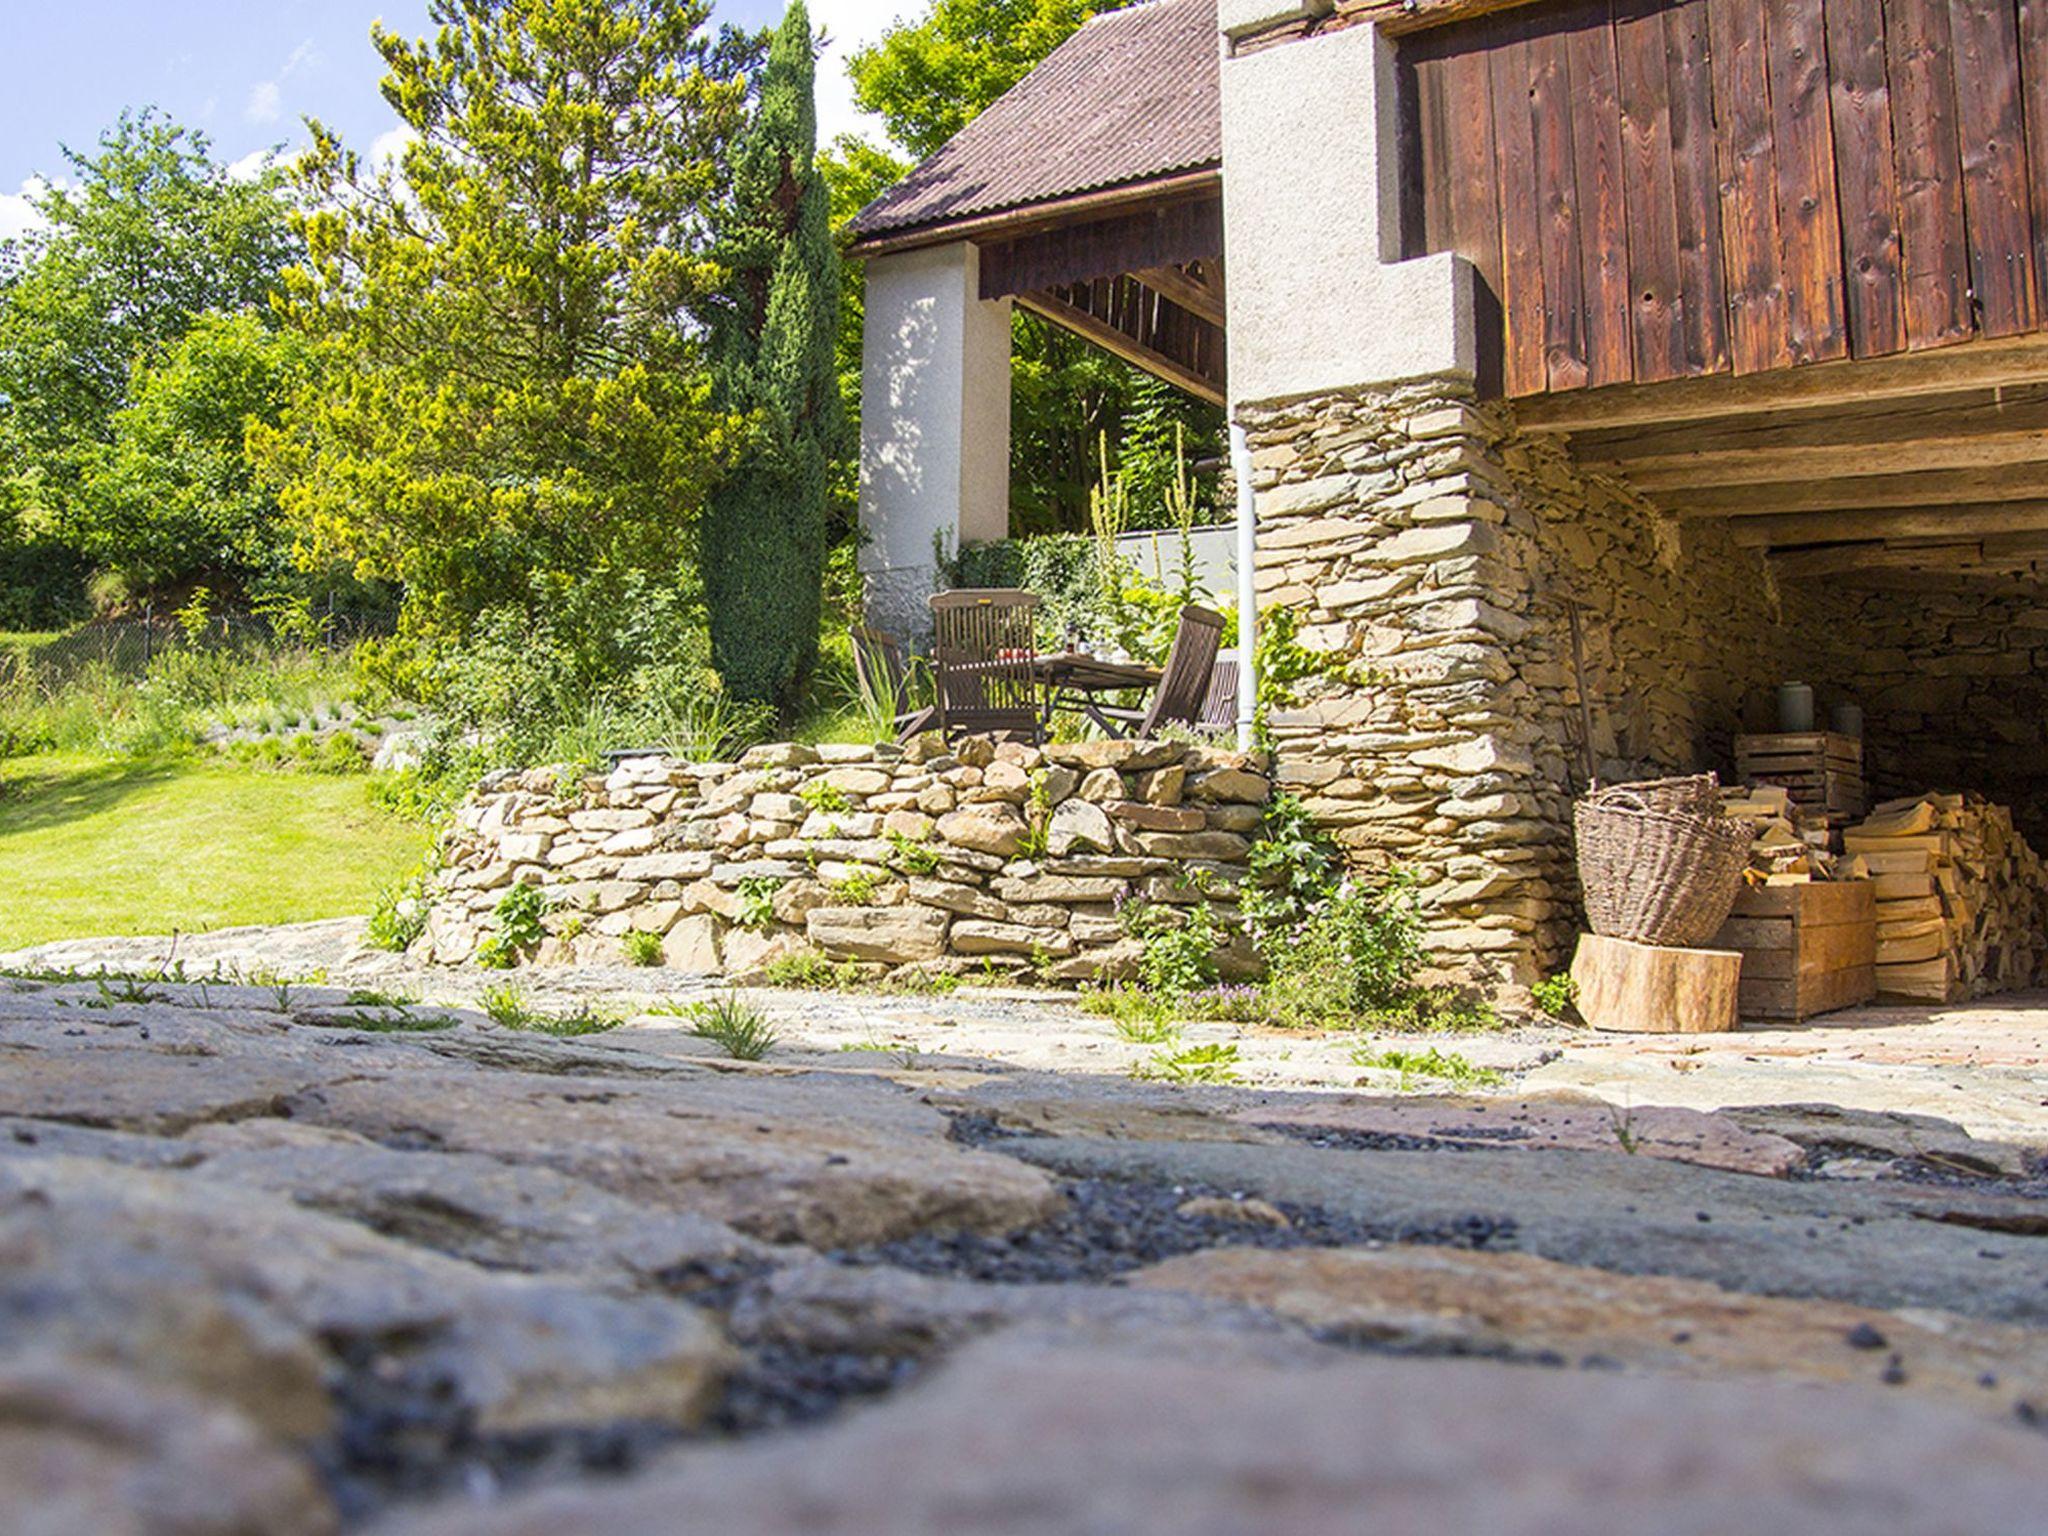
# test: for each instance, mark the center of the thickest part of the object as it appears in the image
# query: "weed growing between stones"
(738, 1027)
(1416, 1067)
(642, 946)
(810, 971)
(1213, 1063)
(913, 857)
(1555, 995)
(517, 918)
(584, 1021)
(505, 1004)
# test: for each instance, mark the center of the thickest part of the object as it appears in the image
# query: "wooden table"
(1078, 680)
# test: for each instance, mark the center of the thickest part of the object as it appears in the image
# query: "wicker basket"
(1659, 862)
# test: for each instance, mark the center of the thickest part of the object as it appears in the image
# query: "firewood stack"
(1791, 840)
(1962, 903)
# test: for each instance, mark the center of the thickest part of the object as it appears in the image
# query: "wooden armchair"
(1184, 687)
(883, 676)
(984, 663)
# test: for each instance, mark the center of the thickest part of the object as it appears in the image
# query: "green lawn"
(90, 846)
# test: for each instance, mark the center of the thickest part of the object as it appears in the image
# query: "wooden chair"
(1184, 686)
(1219, 708)
(882, 673)
(984, 649)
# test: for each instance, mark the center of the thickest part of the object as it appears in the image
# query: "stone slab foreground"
(1024, 1438)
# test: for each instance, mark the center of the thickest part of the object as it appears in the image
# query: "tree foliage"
(172, 495)
(511, 394)
(152, 235)
(765, 555)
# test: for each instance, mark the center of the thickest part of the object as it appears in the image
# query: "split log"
(1649, 989)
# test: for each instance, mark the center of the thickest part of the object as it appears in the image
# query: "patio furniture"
(985, 664)
(883, 674)
(1219, 709)
(1183, 689)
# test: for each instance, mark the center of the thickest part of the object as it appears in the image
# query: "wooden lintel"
(1864, 493)
(1847, 461)
(1191, 293)
(1968, 365)
(1118, 344)
(1856, 525)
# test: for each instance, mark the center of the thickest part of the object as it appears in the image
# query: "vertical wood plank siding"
(1659, 189)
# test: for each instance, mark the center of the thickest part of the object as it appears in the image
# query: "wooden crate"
(1821, 770)
(1806, 949)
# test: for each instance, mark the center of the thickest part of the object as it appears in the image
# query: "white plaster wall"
(935, 424)
(1311, 199)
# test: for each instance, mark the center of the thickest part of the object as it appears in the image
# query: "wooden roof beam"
(1857, 525)
(1864, 493)
(1970, 365)
(1835, 461)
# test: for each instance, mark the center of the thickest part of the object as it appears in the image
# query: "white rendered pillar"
(1319, 298)
(935, 425)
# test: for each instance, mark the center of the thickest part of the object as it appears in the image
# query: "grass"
(94, 847)
(1193, 1064)
(736, 1026)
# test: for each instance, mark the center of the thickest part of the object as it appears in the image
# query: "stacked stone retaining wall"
(1433, 555)
(990, 856)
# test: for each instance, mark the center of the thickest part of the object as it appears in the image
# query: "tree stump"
(1648, 989)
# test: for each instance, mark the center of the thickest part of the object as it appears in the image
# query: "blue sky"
(248, 71)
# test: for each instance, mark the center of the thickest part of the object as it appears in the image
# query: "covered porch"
(1090, 195)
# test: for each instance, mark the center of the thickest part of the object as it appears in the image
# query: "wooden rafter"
(1143, 327)
(1164, 235)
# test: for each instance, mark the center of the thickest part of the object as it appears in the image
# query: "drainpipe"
(1247, 589)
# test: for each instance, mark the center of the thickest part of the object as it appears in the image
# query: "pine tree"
(765, 534)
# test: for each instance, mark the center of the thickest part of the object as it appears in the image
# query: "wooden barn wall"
(1655, 189)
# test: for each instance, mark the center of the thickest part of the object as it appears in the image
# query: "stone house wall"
(1434, 551)
(992, 856)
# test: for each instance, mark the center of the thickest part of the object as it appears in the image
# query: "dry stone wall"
(992, 855)
(1432, 555)
(1954, 692)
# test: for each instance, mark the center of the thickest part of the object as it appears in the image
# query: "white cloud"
(266, 103)
(850, 25)
(252, 165)
(390, 144)
(17, 217)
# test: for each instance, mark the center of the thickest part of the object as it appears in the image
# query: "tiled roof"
(1131, 96)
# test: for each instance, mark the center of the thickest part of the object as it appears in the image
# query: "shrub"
(1177, 946)
(740, 1028)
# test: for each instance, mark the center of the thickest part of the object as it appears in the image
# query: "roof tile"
(1130, 96)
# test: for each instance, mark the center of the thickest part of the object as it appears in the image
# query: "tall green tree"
(151, 235)
(512, 399)
(776, 334)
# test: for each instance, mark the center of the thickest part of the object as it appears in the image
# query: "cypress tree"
(765, 534)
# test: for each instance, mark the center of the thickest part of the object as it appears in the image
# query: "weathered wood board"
(1806, 949)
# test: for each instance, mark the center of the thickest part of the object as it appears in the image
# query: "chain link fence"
(128, 646)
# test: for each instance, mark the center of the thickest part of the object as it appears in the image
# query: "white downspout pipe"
(1247, 590)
